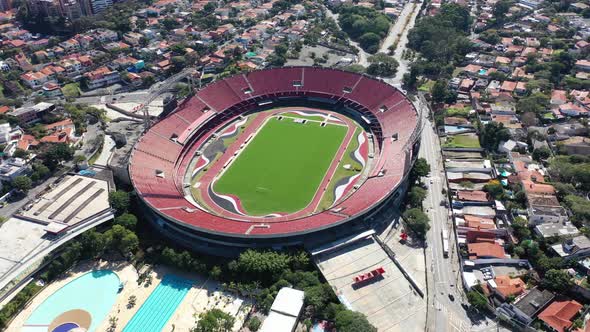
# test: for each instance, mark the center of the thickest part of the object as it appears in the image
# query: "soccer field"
(282, 167)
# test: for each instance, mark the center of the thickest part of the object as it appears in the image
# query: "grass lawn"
(549, 116)
(462, 141)
(458, 112)
(282, 167)
(426, 86)
(71, 90)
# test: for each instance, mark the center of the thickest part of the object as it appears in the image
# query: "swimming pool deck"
(203, 296)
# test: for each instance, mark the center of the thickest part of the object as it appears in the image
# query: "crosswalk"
(453, 321)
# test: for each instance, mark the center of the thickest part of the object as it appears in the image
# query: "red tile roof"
(507, 286)
(485, 250)
(559, 314)
(474, 195)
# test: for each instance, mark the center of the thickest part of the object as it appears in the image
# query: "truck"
(445, 242)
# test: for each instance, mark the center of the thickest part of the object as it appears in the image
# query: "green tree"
(536, 103)
(22, 183)
(254, 324)
(93, 243)
(501, 9)
(421, 168)
(352, 321)
(492, 134)
(417, 221)
(557, 280)
(370, 42)
(477, 300)
(126, 220)
(439, 91)
(214, 320)
(263, 265)
(56, 154)
(416, 196)
(521, 228)
(40, 171)
(124, 240)
(382, 65)
(541, 153)
(119, 201)
(20, 153)
(215, 272)
(495, 189)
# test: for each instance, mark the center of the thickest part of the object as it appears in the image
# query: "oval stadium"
(274, 158)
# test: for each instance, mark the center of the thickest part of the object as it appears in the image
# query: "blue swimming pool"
(160, 305)
(94, 292)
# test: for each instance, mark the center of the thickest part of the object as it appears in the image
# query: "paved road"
(443, 273)
(362, 56)
(410, 13)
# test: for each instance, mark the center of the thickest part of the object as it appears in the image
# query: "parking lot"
(389, 301)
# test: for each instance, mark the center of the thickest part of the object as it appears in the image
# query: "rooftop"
(534, 301)
(559, 314)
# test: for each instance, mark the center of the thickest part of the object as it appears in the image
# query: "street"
(443, 273)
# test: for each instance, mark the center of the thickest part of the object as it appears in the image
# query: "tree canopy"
(492, 135)
(382, 65)
(442, 38)
(263, 265)
(417, 221)
(352, 321)
(119, 200)
(22, 183)
(557, 280)
(365, 25)
(421, 168)
(214, 320)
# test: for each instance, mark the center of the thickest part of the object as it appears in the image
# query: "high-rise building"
(100, 5)
(72, 9)
(5, 5)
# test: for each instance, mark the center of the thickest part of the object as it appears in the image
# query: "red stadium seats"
(161, 158)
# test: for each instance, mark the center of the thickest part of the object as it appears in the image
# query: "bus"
(445, 242)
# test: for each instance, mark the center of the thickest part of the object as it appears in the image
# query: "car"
(451, 297)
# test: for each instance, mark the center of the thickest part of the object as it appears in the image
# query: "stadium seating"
(162, 156)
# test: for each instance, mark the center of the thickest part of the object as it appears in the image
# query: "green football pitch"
(282, 167)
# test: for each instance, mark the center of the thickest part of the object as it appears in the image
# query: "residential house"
(526, 307)
(578, 246)
(572, 109)
(485, 250)
(102, 76)
(31, 114)
(558, 315)
(11, 168)
(558, 97)
(505, 287)
(583, 65)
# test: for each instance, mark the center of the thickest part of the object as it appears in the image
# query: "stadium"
(276, 157)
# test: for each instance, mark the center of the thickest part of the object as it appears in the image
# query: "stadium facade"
(165, 157)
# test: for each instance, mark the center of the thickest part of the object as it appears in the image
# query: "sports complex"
(276, 157)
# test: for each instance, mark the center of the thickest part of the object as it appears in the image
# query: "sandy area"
(204, 295)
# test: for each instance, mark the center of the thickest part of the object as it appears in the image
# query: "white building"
(284, 312)
(12, 168)
(4, 132)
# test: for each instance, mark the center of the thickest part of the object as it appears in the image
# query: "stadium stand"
(163, 155)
